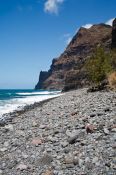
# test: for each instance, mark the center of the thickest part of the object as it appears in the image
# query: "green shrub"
(99, 65)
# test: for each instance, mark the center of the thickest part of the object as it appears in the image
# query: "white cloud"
(87, 26)
(52, 6)
(109, 22)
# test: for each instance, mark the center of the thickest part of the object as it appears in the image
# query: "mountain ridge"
(67, 71)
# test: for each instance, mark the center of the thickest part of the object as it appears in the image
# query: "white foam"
(38, 93)
(19, 103)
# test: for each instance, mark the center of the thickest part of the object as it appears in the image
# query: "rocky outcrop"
(114, 34)
(68, 72)
(42, 77)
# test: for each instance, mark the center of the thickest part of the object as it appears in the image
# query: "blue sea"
(15, 99)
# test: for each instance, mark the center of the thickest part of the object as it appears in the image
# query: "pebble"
(1, 172)
(21, 167)
(3, 149)
(95, 160)
(106, 131)
(64, 144)
(89, 128)
(36, 141)
(113, 130)
(48, 172)
(9, 127)
(77, 137)
(72, 139)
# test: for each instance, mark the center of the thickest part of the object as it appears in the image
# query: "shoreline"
(8, 117)
(68, 135)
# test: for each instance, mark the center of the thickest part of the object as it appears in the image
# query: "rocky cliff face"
(114, 34)
(67, 71)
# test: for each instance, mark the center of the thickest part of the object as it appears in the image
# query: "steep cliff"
(67, 71)
(114, 34)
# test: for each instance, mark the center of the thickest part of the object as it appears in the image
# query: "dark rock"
(92, 114)
(72, 139)
(89, 128)
(42, 77)
(75, 161)
(2, 122)
(114, 34)
(46, 160)
(107, 109)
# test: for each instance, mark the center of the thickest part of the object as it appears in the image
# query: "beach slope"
(73, 134)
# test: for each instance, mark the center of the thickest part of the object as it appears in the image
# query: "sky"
(33, 32)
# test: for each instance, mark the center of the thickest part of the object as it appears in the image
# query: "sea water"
(15, 99)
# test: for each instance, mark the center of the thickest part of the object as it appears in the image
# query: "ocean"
(15, 99)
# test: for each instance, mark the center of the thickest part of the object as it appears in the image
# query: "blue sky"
(33, 32)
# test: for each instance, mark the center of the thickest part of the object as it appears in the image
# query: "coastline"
(8, 117)
(68, 135)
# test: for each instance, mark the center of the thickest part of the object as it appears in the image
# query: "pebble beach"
(73, 134)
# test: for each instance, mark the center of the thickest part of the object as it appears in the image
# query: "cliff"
(67, 71)
(114, 34)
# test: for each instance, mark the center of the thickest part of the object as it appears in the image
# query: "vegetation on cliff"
(101, 66)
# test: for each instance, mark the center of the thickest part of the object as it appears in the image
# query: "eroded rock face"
(68, 72)
(42, 77)
(114, 34)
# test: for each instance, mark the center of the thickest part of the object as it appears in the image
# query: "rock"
(1, 172)
(42, 126)
(6, 144)
(12, 164)
(72, 139)
(113, 130)
(80, 162)
(114, 146)
(2, 122)
(69, 166)
(20, 133)
(68, 133)
(48, 172)
(114, 34)
(95, 160)
(36, 141)
(56, 132)
(34, 124)
(9, 127)
(106, 131)
(75, 161)
(89, 128)
(68, 160)
(45, 160)
(64, 144)
(107, 164)
(3, 149)
(21, 167)
(25, 156)
(92, 114)
(107, 109)
(114, 126)
(51, 139)
(74, 113)
(66, 150)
